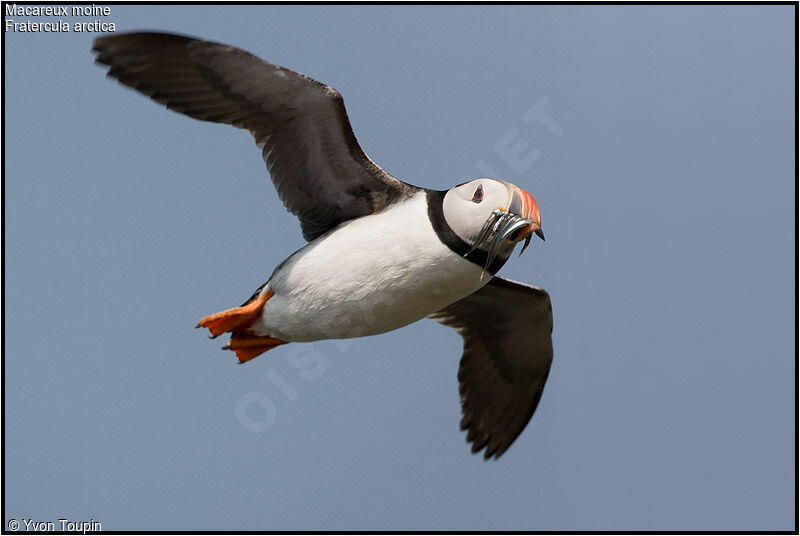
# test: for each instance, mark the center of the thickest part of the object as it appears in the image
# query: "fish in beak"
(523, 205)
(517, 222)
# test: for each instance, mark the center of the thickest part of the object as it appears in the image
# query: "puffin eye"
(477, 197)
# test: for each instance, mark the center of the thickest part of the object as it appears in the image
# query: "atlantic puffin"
(381, 253)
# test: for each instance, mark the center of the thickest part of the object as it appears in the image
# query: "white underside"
(371, 275)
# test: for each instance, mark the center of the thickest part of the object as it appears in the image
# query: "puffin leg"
(248, 346)
(238, 318)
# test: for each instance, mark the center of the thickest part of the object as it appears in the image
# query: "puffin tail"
(237, 321)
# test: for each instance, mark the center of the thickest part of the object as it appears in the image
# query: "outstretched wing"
(321, 173)
(506, 328)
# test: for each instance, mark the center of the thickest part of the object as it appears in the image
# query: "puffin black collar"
(449, 237)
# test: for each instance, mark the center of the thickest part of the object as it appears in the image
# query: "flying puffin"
(381, 253)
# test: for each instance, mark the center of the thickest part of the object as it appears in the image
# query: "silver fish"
(498, 227)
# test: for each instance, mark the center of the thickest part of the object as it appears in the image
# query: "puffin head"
(492, 216)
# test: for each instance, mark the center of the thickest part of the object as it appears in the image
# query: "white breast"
(371, 275)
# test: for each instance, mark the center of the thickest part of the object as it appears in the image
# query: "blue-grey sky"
(658, 142)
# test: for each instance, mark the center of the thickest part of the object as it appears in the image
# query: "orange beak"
(523, 204)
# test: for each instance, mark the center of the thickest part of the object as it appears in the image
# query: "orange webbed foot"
(238, 318)
(248, 347)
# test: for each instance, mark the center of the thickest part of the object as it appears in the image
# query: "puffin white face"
(492, 215)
